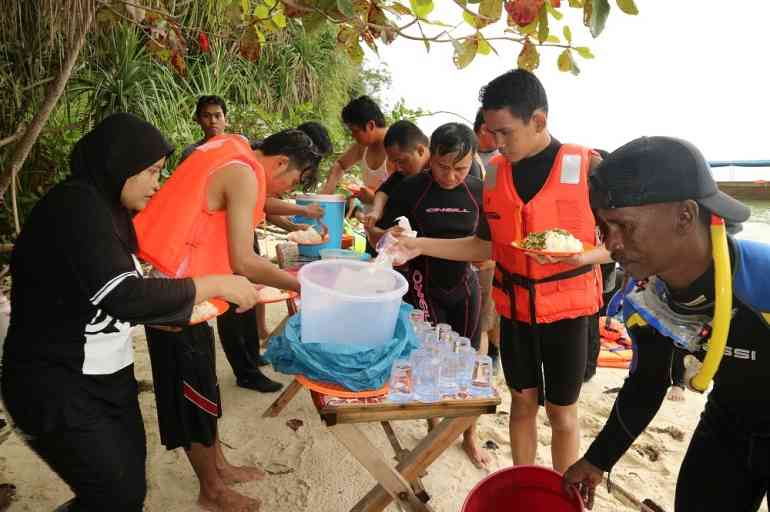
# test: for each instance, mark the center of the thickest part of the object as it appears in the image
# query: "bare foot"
(228, 501)
(236, 474)
(475, 454)
(676, 394)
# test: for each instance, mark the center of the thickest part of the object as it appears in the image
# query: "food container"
(334, 213)
(350, 302)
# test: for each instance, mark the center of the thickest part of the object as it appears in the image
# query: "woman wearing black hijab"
(68, 380)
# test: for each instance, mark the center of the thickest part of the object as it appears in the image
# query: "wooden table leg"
(401, 454)
(370, 458)
(422, 456)
(283, 400)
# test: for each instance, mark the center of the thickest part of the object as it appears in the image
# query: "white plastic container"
(351, 302)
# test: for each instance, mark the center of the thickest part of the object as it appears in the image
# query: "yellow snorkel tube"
(723, 306)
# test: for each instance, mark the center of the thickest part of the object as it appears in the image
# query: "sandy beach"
(312, 472)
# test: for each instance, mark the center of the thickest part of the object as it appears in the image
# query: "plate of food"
(207, 310)
(310, 236)
(552, 242)
(269, 295)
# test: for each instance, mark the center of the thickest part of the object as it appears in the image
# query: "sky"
(695, 69)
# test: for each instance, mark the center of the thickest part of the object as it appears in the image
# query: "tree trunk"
(55, 91)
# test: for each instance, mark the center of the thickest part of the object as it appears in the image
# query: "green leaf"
(576, 3)
(492, 9)
(529, 58)
(245, 7)
(599, 11)
(471, 19)
(565, 61)
(553, 12)
(356, 53)
(313, 22)
(529, 29)
(465, 51)
(552, 39)
(542, 25)
(421, 8)
(584, 52)
(279, 20)
(568, 34)
(484, 47)
(261, 11)
(628, 7)
(346, 8)
(400, 9)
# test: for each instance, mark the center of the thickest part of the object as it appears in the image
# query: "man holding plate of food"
(539, 228)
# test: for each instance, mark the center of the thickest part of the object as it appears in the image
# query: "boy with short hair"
(537, 184)
(211, 116)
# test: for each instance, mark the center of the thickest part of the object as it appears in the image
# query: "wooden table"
(402, 482)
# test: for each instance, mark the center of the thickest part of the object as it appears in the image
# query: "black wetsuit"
(448, 291)
(727, 465)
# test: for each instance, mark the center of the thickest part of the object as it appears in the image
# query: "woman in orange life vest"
(203, 218)
(538, 184)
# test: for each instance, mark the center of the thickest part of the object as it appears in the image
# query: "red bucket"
(524, 488)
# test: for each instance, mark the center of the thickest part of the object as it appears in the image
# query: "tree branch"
(55, 91)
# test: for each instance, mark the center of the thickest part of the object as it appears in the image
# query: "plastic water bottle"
(401, 381)
(481, 378)
(465, 370)
(450, 365)
(427, 373)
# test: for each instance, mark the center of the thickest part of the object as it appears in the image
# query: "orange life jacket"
(524, 289)
(177, 233)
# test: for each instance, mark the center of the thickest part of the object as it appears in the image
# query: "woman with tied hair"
(68, 377)
(444, 202)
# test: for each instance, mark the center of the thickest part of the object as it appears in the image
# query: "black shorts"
(551, 357)
(459, 307)
(185, 381)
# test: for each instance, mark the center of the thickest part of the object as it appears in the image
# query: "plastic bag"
(389, 252)
(356, 367)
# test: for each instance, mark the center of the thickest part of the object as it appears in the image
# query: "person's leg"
(103, 462)
(214, 495)
(261, 312)
(464, 317)
(714, 475)
(564, 346)
(676, 393)
(521, 374)
(231, 474)
(234, 334)
(594, 347)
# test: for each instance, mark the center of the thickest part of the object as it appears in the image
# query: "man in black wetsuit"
(444, 203)
(661, 189)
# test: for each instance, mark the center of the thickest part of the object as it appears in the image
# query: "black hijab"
(119, 147)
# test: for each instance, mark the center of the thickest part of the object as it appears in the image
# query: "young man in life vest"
(696, 290)
(537, 184)
(240, 333)
(202, 221)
